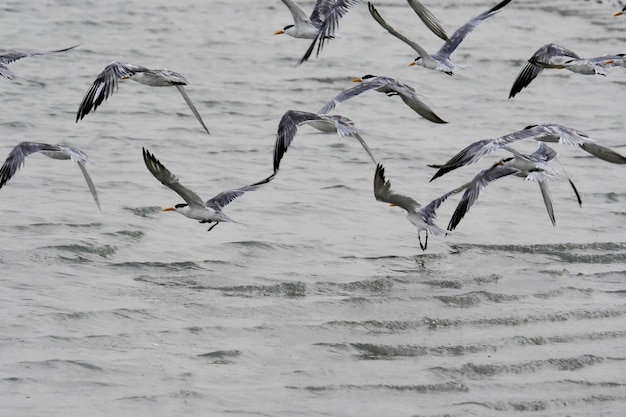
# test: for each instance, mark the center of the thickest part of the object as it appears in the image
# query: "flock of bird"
(321, 26)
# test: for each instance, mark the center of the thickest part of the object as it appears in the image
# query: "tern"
(558, 57)
(106, 83)
(10, 57)
(288, 126)
(533, 167)
(552, 133)
(421, 217)
(320, 26)
(19, 153)
(439, 61)
(389, 86)
(194, 208)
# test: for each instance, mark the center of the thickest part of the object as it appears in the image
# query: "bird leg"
(419, 238)
(211, 228)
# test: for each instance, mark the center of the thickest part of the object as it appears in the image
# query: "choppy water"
(320, 302)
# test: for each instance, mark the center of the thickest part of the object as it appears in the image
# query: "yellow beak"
(393, 205)
(619, 13)
(168, 209)
(412, 63)
(280, 32)
(357, 80)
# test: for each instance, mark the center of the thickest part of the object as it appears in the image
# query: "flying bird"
(10, 57)
(533, 167)
(421, 217)
(320, 26)
(553, 56)
(107, 82)
(194, 208)
(428, 18)
(389, 86)
(439, 61)
(288, 127)
(552, 133)
(19, 153)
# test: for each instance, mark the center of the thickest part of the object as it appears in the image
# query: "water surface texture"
(320, 301)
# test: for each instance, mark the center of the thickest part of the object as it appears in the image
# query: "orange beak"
(357, 80)
(280, 32)
(619, 13)
(392, 205)
(168, 209)
(412, 63)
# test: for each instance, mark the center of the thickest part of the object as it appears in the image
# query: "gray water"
(320, 301)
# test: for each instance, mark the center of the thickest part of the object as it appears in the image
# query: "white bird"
(288, 126)
(554, 56)
(534, 167)
(543, 133)
(194, 208)
(421, 217)
(386, 85)
(439, 61)
(10, 57)
(320, 26)
(19, 153)
(106, 83)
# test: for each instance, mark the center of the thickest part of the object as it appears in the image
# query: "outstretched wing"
(287, 128)
(182, 91)
(104, 85)
(226, 197)
(384, 193)
(428, 18)
(168, 179)
(361, 87)
(16, 158)
(14, 56)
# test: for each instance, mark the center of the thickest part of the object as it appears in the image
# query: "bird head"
(415, 61)
(175, 208)
(285, 29)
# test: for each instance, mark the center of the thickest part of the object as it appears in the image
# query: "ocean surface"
(319, 302)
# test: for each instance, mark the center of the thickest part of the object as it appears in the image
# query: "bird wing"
(420, 107)
(299, 17)
(90, 183)
(604, 153)
(378, 18)
(547, 199)
(16, 158)
(548, 56)
(14, 56)
(327, 30)
(104, 85)
(383, 192)
(460, 34)
(354, 91)
(287, 128)
(169, 180)
(320, 10)
(428, 18)
(225, 197)
(473, 189)
(183, 92)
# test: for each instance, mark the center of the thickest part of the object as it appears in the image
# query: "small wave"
(57, 363)
(147, 211)
(453, 386)
(475, 298)
(105, 251)
(221, 357)
(167, 266)
(133, 234)
(372, 286)
(543, 405)
(375, 351)
(288, 289)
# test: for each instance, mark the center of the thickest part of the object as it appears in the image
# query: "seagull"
(553, 133)
(558, 57)
(533, 167)
(19, 153)
(440, 61)
(194, 208)
(389, 86)
(320, 26)
(288, 126)
(14, 56)
(421, 217)
(106, 83)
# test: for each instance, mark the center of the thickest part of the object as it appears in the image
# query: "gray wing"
(420, 107)
(321, 9)
(183, 92)
(18, 154)
(353, 92)
(548, 56)
(225, 197)
(329, 26)
(429, 215)
(428, 18)
(460, 34)
(168, 179)
(604, 153)
(473, 189)
(547, 199)
(14, 56)
(378, 18)
(90, 183)
(104, 85)
(296, 11)
(287, 129)
(383, 192)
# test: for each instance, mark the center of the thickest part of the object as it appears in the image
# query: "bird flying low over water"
(421, 217)
(542, 133)
(320, 26)
(389, 86)
(194, 208)
(533, 167)
(19, 153)
(439, 61)
(288, 126)
(10, 57)
(106, 83)
(553, 56)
